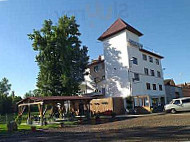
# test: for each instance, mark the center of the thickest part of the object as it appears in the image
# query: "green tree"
(29, 94)
(5, 87)
(7, 103)
(61, 59)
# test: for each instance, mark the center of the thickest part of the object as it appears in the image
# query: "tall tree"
(61, 59)
(5, 87)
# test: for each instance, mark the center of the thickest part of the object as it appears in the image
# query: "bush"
(18, 119)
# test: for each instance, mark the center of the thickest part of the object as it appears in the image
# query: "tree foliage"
(34, 93)
(7, 102)
(5, 87)
(60, 58)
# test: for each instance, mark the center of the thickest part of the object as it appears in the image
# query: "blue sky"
(165, 25)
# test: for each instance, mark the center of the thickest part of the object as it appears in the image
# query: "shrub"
(18, 119)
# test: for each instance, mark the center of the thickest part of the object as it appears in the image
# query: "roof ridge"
(118, 26)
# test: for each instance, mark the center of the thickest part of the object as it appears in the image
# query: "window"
(186, 101)
(158, 74)
(96, 68)
(148, 86)
(152, 72)
(95, 79)
(154, 86)
(150, 59)
(144, 57)
(103, 77)
(160, 87)
(145, 71)
(177, 102)
(105, 103)
(135, 61)
(157, 62)
(136, 77)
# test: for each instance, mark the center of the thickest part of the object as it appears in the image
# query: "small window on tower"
(136, 77)
(135, 61)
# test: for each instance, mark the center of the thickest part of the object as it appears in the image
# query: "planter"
(33, 128)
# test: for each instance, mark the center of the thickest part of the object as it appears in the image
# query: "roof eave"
(101, 38)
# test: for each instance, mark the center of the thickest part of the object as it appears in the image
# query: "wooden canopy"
(50, 99)
(42, 101)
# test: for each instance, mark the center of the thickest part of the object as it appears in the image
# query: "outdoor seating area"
(60, 108)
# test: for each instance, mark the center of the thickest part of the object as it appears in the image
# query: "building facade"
(172, 91)
(185, 89)
(94, 83)
(131, 70)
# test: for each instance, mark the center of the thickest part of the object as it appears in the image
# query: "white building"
(94, 80)
(131, 70)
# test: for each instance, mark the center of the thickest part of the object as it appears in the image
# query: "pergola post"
(88, 107)
(29, 116)
(40, 108)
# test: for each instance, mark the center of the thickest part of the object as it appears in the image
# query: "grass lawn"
(3, 127)
(24, 127)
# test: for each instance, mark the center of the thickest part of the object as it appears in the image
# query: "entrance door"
(155, 102)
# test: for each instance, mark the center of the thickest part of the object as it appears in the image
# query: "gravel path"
(167, 127)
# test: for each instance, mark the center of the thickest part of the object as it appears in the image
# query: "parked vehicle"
(176, 105)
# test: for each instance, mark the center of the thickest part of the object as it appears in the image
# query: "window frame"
(146, 71)
(157, 61)
(159, 74)
(135, 60)
(136, 77)
(154, 87)
(152, 73)
(150, 59)
(160, 87)
(148, 86)
(144, 56)
(176, 101)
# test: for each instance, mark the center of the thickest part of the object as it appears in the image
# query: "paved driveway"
(169, 127)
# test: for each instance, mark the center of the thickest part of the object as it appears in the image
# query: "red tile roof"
(95, 63)
(118, 26)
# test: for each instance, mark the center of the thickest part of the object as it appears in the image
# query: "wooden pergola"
(75, 103)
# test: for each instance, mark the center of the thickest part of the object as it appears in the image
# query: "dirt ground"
(163, 127)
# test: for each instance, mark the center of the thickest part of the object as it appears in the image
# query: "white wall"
(117, 53)
(139, 87)
(116, 65)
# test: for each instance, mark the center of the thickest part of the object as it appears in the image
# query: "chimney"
(99, 58)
